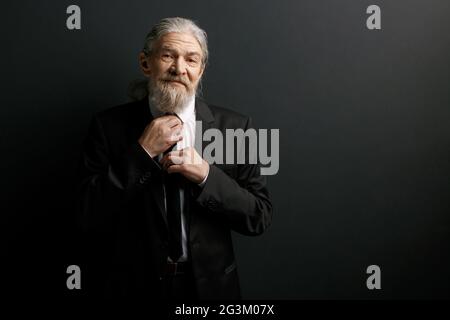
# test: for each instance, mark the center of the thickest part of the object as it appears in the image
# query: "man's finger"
(178, 126)
(174, 138)
(191, 156)
(171, 160)
(175, 152)
(172, 121)
(175, 129)
(175, 168)
(175, 159)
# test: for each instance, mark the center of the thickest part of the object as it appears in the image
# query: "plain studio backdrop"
(364, 135)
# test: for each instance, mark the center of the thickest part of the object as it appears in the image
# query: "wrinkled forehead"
(179, 42)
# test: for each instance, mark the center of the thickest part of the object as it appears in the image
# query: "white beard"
(167, 97)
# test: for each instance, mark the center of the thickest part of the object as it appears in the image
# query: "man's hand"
(187, 162)
(160, 134)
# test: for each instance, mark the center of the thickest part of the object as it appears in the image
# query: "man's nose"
(179, 66)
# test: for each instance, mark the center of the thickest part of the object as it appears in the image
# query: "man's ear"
(144, 64)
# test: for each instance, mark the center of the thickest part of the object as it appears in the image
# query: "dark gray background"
(363, 118)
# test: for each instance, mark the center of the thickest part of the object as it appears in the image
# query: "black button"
(211, 204)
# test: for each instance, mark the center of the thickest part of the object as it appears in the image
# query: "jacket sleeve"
(244, 202)
(107, 183)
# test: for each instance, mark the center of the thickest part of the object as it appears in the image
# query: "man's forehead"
(180, 41)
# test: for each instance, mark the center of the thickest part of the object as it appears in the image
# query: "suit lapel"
(205, 119)
(157, 190)
(156, 184)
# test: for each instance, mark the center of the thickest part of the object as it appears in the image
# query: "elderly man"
(158, 216)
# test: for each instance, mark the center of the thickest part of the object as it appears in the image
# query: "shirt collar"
(187, 111)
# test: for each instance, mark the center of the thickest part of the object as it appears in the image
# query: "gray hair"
(137, 89)
(180, 25)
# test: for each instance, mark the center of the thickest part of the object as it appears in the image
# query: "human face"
(175, 61)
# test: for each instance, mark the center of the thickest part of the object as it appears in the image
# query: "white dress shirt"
(187, 115)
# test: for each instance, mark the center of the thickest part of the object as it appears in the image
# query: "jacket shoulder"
(223, 114)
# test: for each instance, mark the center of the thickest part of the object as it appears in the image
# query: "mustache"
(177, 79)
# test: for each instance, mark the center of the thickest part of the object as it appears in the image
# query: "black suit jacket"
(123, 211)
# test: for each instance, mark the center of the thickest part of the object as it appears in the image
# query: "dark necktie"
(173, 185)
